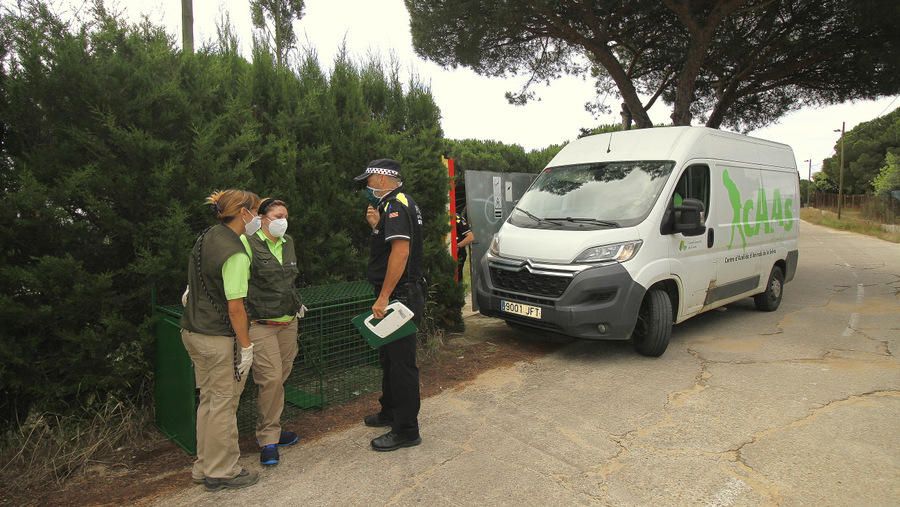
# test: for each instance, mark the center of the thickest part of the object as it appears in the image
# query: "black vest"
(215, 247)
(271, 293)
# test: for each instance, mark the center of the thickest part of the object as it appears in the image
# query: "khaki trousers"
(274, 350)
(217, 432)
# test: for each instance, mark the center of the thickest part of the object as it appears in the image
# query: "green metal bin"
(173, 388)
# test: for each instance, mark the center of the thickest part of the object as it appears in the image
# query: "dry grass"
(46, 449)
(848, 222)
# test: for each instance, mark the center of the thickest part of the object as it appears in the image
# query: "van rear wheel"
(654, 324)
(769, 300)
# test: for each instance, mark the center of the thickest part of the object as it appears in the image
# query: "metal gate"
(490, 197)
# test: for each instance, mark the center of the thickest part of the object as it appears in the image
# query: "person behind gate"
(464, 238)
(395, 272)
(215, 334)
(273, 305)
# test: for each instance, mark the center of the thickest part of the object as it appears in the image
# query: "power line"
(888, 106)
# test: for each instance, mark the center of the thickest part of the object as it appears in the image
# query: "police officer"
(395, 271)
(464, 238)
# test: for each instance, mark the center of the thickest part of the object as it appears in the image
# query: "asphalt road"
(796, 407)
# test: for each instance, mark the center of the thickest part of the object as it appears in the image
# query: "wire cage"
(334, 363)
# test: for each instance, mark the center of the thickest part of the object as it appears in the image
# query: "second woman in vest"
(273, 305)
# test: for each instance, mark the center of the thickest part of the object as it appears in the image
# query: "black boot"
(377, 421)
(391, 441)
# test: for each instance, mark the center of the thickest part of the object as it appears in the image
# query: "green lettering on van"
(748, 224)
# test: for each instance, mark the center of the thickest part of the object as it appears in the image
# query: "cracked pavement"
(795, 407)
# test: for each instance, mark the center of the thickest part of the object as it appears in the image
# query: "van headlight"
(495, 246)
(619, 252)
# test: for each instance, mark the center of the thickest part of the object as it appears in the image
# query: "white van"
(624, 234)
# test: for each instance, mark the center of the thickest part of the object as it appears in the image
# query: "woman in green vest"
(273, 305)
(215, 332)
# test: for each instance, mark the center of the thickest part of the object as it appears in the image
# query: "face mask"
(370, 195)
(278, 227)
(252, 226)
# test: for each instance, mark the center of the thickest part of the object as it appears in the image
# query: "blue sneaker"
(288, 438)
(268, 455)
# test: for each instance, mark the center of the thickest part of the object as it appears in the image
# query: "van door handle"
(710, 237)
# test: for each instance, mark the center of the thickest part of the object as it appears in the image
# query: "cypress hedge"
(111, 137)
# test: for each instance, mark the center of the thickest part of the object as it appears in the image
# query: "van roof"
(676, 143)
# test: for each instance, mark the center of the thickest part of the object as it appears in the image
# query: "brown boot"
(242, 480)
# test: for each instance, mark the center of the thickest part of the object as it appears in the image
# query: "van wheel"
(654, 325)
(769, 300)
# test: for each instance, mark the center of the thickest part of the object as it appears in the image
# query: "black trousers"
(400, 399)
(460, 262)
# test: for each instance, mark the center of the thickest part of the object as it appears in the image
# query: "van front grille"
(525, 282)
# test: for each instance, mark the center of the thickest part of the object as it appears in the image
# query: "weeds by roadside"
(847, 223)
(46, 449)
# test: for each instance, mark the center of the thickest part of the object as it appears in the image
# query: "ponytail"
(227, 204)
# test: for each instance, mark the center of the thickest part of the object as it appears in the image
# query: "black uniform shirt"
(400, 219)
(462, 228)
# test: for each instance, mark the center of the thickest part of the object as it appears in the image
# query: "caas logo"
(681, 246)
(765, 219)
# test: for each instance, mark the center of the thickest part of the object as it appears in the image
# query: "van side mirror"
(689, 218)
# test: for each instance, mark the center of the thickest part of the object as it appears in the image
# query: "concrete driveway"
(796, 407)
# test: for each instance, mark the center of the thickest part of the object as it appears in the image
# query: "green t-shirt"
(277, 248)
(235, 275)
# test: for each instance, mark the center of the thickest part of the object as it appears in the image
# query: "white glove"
(187, 289)
(301, 312)
(246, 360)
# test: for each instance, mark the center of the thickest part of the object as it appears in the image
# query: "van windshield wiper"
(530, 215)
(586, 220)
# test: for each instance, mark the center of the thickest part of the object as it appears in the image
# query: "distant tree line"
(871, 151)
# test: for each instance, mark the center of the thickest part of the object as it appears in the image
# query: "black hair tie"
(263, 206)
(268, 203)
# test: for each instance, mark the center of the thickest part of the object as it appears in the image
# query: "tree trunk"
(687, 81)
(602, 53)
(187, 26)
(626, 117)
(723, 103)
(701, 33)
(279, 35)
(636, 110)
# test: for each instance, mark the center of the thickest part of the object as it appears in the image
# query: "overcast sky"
(473, 106)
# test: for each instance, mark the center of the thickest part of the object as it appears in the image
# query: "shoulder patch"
(402, 198)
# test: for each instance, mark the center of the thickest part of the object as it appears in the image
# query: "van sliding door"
(740, 223)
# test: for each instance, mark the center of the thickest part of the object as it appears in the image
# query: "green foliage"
(866, 147)
(823, 183)
(274, 19)
(805, 189)
(888, 178)
(480, 155)
(111, 140)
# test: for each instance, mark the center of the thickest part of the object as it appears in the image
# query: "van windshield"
(592, 196)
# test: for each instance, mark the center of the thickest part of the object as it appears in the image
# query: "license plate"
(533, 312)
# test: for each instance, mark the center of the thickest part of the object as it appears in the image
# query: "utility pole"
(187, 26)
(841, 178)
(808, 187)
